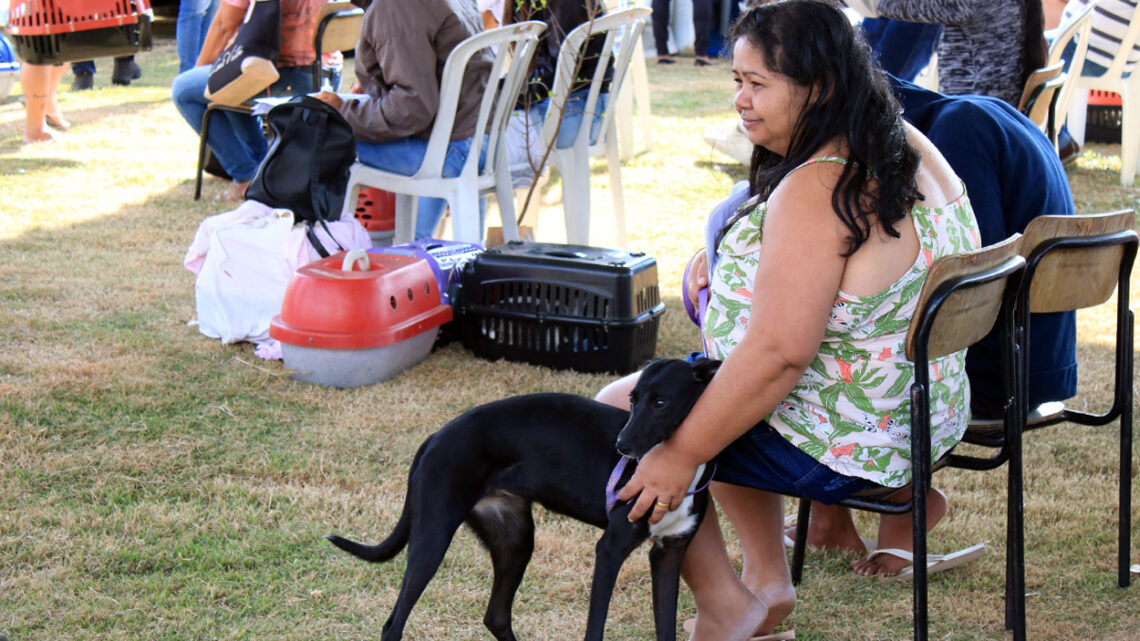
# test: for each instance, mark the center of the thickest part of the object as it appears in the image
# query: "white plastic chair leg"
(1078, 114)
(1130, 129)
(405, 218)
(505, 195)
(624, 119)
(614, 164)
(576, 196)
(465, 214)
(351, 196)
(640, 78)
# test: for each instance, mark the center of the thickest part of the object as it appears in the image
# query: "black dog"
(488, 465)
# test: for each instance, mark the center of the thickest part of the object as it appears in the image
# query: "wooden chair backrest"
(1040, 88)
(340, 33)
(968, 313)
(1071, 278)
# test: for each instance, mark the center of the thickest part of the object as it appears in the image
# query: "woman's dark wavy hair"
(814, 45)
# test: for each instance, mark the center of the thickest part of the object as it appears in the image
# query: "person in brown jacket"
(399, 63)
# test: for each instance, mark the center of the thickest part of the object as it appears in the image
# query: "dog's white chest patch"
(681, 520)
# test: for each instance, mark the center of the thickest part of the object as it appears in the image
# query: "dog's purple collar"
(619, 469)
(611, 485)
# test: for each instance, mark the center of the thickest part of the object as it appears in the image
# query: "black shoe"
(83, 80)
(1069, 152)
(125, 71)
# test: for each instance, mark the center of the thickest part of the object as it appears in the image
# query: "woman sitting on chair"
(236, 139)
(816, 282)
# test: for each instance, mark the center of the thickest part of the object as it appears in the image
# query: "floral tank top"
(851, 408)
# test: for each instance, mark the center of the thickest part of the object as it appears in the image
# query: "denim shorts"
(764, 460)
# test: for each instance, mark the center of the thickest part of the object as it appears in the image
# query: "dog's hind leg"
(505, 525)
(665, 571)
(426, 549)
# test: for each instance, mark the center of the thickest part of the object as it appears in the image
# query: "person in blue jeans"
(524, 133)
(236, 139)
(400, 56)
(194, 18)
(126, 70)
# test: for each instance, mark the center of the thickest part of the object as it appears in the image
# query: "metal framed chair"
(963, 297)
(621, 30)
(338, 29)
(513, 46)
(1038, 101)
(1072, 262)
(203, 148)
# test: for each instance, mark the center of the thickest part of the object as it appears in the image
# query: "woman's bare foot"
(733, 619)
(780, 601)
(831, 528)
(895, 531)
(42, 135)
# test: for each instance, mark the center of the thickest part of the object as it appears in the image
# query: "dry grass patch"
(158, 485)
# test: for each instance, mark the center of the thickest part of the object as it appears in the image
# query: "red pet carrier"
(54, 31)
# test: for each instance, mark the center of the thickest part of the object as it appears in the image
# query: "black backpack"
(306, 168)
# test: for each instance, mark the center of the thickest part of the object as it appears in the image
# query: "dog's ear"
(704, 369)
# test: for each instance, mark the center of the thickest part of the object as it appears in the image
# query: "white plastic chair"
(621, 30)
(1079, 26)
(1129, 89)
(637, 90)
(512, 47)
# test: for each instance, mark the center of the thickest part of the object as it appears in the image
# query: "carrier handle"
(354, 256)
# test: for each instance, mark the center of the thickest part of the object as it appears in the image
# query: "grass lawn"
(155, 484)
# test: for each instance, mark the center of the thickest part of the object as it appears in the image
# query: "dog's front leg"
(665, 571)
(620, 538)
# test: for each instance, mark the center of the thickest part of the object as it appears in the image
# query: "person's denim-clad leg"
(194, 18)
(236, 139)
(404, 157)
(572, 117)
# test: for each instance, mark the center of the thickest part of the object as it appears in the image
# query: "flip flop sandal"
(934, 562)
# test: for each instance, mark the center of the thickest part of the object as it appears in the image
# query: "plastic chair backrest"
(963, 295)
(506, 47)
(1071, 278)
(1079, 26)
(1120, 64)
(621, 30)
(1040, 93)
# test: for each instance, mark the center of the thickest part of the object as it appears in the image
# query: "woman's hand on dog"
(662, 478)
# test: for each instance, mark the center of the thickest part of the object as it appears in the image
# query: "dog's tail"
(398, 539)
(383, 551)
